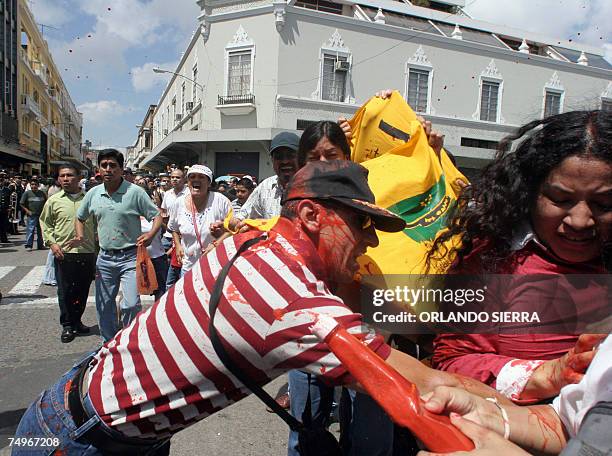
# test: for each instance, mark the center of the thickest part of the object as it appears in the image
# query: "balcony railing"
(236, 99)
(30, 106)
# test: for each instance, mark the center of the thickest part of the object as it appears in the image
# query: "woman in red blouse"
(545, 208)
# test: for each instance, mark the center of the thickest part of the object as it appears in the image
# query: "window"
(418, 89)
(320, 5)
(552, 103)
(334, 78)
(480, 143)
(239, 73)
(183, 100)
(606, 105)
(194, 76)
(489, 99)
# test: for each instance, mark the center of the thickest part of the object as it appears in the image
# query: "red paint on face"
(342, 240)
(572, 214)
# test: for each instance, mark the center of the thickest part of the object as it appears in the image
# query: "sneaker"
(80, 330)
(67, 335)
(283, 400)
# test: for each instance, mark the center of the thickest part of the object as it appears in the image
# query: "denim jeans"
(112, 270)
(321, 400)
(366, 429)
(48, 419)
(33, 225)
(49, 277)
(173, 275)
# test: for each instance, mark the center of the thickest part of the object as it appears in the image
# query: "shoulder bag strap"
(215, 297)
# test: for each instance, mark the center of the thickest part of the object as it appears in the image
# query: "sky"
(106, 49)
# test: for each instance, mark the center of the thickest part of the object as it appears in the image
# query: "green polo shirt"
(57, 222)
(117, 215)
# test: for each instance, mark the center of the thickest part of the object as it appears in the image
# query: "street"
(32, 357)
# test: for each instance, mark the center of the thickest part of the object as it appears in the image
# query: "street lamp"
(161, 71)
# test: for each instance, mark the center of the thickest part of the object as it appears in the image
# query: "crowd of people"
(544, 205)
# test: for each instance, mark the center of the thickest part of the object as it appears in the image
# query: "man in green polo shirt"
(117, 207)
(74, 267)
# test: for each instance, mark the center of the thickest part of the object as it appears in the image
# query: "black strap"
(231, 366)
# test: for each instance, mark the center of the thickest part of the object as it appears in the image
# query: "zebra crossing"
(22, 288)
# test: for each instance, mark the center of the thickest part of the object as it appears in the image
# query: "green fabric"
(117, 215)
(34, 201)
(57, 221)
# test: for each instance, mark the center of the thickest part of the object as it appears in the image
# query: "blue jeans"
(49, 277)
(173, 275)
(366, 429)
(321, 400)
(33, 225)
(48, 419)
(112, 270)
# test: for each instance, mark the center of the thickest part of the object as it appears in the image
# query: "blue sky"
(106, 49)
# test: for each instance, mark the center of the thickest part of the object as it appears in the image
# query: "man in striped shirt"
(161, 374)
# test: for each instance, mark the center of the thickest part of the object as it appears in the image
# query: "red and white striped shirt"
(161, 373)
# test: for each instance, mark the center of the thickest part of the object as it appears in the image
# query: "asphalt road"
(32, 357)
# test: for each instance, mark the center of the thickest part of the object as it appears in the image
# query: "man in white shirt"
(177, 181)
(264, 202)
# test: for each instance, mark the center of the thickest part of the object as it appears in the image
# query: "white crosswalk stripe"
(30, 284)
(30, 293)
(5, 270)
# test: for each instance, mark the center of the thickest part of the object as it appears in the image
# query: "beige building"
(49, 123)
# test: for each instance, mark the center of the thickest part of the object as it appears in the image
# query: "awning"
(13, 152)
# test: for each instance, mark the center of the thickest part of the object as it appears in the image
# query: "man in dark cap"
(265, 200)
(161, 374)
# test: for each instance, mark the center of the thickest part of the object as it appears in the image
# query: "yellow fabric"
(408, 178)
(258, 224)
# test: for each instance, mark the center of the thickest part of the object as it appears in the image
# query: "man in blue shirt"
(117, 207)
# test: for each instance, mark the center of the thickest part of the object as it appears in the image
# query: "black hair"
(68, 165)
(490, 212)
(246, 183)
(317, 131)
(111, 153)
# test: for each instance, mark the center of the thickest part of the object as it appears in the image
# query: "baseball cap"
(201, 169)
(285, 139)
(343, 182)
(127, 171)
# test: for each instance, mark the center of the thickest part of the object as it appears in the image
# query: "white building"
(269, 65)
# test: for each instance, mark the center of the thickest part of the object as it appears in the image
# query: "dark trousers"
(4, 226)
(74, 275)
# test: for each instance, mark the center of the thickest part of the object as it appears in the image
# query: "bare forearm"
(536, 428)
(426, 378)
(157, 224)
(79, 228)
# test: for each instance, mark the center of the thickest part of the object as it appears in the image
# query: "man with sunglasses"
(117, 207)
(264, 202)
(161, 374)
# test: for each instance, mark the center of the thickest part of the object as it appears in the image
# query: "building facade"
(269, 65)
(49, 124)
(142, 148)
(11, 155)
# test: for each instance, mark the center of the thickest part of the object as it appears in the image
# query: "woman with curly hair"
(544, 208)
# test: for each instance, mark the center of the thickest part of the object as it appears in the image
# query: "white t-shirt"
(155, 249)
(574, 401)
(217, 208)
(170, 198)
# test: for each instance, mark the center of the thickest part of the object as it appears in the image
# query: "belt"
(119, 251)
(98, 436)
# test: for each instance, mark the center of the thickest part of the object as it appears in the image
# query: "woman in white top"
(192, 214)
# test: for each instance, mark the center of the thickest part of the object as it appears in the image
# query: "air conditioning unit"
(189, 105)
(342, 65)
(178, 117)
(166, 132)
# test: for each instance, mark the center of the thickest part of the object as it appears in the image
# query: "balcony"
(236, 105)
(30, 107)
